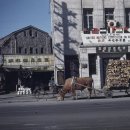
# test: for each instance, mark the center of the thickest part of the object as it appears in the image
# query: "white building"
(86, 34)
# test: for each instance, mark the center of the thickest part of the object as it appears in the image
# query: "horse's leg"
(90, 92)
(74, 95)
(93, 89)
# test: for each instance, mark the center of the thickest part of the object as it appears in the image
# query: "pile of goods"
(118, 73)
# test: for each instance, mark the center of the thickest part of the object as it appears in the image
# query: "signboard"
(107, 38)
(45, 62)
(112, 49)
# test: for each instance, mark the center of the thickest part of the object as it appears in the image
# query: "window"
(25, 60)
(127, 11)
(41, 50)
(24, 33)
(17, 60)
(31, 50)
(25, 50)
(46, 60)
(109, 15)
(30, 32)
(32, 60)
(39, 60)
(36, 51)
(20, 50)
(35, 34)
(11, 60)
(92, 64)
(0, 50)
(88, 18)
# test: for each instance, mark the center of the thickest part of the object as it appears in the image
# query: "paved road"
(93, 114)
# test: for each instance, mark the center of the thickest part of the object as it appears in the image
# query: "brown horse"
(72, 84)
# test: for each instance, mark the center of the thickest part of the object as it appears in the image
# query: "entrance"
(41, 79)
(11, 79)
(60, 77)
(71, 66)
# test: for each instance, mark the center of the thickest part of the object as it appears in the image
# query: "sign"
(38, 62)
(112, 49)
(107, 38)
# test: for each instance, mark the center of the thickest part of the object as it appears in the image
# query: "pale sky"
(17, 14)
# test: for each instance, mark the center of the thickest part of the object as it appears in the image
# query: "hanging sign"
(112, 49)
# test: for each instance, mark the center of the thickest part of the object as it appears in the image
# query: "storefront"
(97, 49)
(26, 70)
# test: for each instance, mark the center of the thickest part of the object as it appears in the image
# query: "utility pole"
(82, 14)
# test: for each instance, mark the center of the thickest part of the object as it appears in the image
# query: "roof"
(4, 39)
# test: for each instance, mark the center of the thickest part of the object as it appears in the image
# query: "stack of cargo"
(118, 73)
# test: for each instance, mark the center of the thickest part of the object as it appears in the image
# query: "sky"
(17, 14)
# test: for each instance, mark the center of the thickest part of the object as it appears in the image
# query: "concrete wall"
(67, 21)
(67, 24)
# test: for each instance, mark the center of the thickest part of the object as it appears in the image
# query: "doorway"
(71, 66)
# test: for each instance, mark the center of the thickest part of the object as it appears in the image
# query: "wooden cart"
(117, 76)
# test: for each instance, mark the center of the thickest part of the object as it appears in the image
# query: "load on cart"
(117, 76)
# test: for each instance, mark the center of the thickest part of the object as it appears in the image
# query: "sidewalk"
(13, 97)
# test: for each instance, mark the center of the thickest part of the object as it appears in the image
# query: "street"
(87, 114)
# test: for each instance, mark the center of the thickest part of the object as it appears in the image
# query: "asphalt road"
(90, 114)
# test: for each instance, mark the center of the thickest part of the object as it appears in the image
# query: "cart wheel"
(128, 91)
(37, 95)
(107, 92)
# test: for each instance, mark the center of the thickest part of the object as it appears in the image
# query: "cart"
(40, 91)
(117, 77)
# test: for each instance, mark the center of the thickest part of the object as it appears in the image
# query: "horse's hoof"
(89, 97)
(74, 98)
(59, 99)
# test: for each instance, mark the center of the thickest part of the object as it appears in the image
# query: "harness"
(63, 92)
(74, 83)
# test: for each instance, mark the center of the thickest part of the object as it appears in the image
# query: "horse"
(75, 83)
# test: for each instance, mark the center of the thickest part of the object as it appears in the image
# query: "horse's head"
(61, 95)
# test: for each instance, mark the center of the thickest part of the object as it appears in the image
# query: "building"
(28, 49)
(87, 33)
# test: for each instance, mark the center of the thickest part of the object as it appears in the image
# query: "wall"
(26, 39)
(67, 25)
